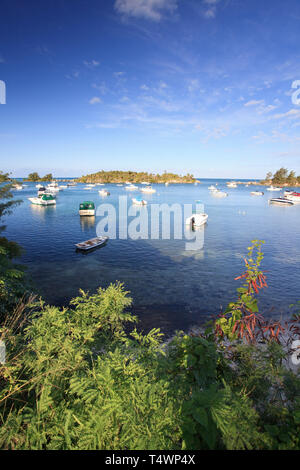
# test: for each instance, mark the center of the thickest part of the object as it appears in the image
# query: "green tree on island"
(33, 177)
(135, 177)
(282, 177)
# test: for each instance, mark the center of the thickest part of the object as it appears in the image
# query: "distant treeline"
(135, 177)
(282, 177)
(35, 177)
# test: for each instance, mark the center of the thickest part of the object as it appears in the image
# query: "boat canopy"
(47, 197)
(87, 205)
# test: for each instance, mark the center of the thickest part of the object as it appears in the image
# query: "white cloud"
(91, 64)
(149, 9)
(210, 8)
(254, 103)
(102, 88)
(214, 133)
(119, 74)
(95, 100)
(73, 75)
(292, 114)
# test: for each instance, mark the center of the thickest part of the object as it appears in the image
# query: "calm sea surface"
(172, 288)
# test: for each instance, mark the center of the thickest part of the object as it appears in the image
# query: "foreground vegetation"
(84, 377)
(134, 177)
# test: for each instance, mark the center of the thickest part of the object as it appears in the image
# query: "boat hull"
(39, 202)
(86, 212)
(91, 244)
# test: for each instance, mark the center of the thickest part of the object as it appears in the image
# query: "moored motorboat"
(148, 189)
(273, 188)
(231, 184)
(41, 190)
(104, 192)
(87, 208)
(139, 201)
(196, 220)
(53, 187)
(295, 197)
(131, 187)
(92, 243)
(281, 200)
(44, 200)
(219, 193)
(257, 193)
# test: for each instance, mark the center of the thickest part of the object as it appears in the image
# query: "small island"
(282, 177)
(35, 178)
(135, 177)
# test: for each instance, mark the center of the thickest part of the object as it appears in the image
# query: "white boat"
(257, 193)
(231, 185)
(295, 197)
(18, 187)
(53, 186)
(104, 192)
(212, 188)
(167, 184)
(44, 200)
(139, 201)
(145, 182)
(148, 190)
(87, 208)
(196, 220)
(273, 188)
(119, 184)
(281, 200)
(41, 190)
(38, 186)
(219, 193)
(90, 244)
(131, 187)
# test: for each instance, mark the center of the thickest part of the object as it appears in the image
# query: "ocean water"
(172, 287)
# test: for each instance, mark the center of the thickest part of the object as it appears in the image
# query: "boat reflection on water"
(42, 211)
(194, 237)
(87, 222)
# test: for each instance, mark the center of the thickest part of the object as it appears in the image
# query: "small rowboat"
(90, 244)
(257, 193)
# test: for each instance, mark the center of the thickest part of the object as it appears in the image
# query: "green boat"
(44, 200)
(87, 208)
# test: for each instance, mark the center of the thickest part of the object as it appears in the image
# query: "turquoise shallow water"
(172, 288)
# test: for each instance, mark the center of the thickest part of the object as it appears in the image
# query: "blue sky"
(200, 86)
